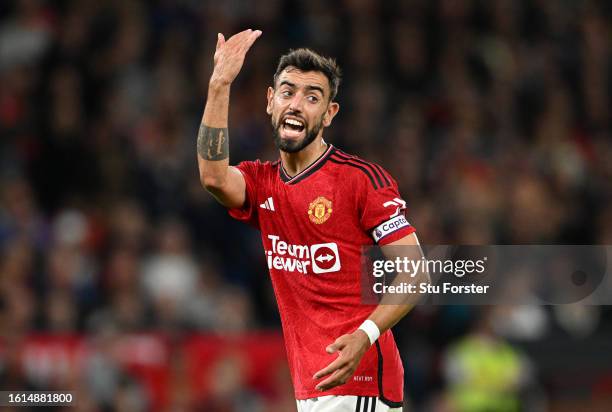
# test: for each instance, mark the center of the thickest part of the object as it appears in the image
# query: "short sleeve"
(248, 212)
(383, 216)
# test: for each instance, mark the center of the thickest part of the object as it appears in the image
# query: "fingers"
(335, 365)
(241, 34)
(254, 36)
(251, 39)
(241, 37)
(343, 367)
(236, 46)
(338, 345)
(229, 54)
(245, 39)
(329, 382)
(339, 377)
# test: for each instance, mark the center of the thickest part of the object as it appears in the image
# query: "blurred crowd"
(493, 116)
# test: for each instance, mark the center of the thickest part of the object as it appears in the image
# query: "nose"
(295, 105)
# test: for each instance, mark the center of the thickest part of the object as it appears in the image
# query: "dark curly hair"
(307, 60)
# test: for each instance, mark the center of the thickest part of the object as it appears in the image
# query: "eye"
(285, 93)
(313, 99)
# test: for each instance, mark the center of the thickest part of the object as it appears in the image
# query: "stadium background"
(122, 280)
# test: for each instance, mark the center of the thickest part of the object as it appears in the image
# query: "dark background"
(493, 116)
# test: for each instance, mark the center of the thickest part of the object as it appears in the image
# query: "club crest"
(319, 210)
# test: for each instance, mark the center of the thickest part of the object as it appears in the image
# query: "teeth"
(293, 122)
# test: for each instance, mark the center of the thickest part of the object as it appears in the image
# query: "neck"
(294, 163)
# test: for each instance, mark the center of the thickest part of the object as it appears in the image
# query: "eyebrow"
(308, 87)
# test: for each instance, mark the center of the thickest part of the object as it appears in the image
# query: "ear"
(332, 110)
(270, 97)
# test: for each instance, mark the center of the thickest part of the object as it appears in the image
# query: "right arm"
(223, 181)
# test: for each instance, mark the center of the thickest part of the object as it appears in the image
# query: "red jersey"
(313, 226)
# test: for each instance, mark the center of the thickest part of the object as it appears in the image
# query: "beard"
(294, 146)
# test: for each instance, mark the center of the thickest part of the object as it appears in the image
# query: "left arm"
(351, 347)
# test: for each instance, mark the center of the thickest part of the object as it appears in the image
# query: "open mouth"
(292, 126)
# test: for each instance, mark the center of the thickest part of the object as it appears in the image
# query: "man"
(316, 207)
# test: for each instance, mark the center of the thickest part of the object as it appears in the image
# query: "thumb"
(334, 347)
(220, 40)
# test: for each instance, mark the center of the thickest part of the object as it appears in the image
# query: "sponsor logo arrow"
(324, 258)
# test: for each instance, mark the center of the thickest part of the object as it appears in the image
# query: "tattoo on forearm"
(213, 143)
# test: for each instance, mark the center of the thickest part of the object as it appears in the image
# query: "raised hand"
(229, 56)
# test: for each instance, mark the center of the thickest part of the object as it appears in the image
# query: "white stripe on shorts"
(344, 403)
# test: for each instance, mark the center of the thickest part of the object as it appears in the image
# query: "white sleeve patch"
(388, 227)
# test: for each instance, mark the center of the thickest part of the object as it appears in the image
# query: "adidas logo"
(268, 204)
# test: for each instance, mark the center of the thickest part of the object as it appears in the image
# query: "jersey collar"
(314, 166)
